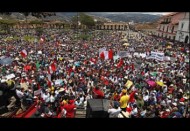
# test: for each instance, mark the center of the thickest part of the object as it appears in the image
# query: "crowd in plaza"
(60, 72)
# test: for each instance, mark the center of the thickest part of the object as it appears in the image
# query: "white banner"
(10, 76)
(115, 57)
(37, 92)
(123, 54)
(40, 52)
(156, 55)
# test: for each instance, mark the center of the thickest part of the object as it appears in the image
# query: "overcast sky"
(153, 13)
(158, 13)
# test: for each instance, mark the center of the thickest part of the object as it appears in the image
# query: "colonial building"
(49, 25)
(112, 26)
(183, 29)
(168, 25)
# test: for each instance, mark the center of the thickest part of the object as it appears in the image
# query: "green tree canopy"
(86, 20)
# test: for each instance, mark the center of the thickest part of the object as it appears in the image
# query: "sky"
(153, 13)
(158, 13)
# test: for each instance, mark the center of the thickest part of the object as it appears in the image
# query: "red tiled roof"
(175, 17)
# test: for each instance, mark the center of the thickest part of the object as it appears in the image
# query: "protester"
(145, 76)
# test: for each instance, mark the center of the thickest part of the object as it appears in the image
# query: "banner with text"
(156, 55)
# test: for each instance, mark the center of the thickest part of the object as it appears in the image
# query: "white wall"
(183, 32)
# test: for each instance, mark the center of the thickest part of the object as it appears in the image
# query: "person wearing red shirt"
(98, 94)
(70, 109)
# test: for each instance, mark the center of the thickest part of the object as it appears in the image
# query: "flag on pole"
(93, 60)
(42, 40)
(49, 80)
(106, 55)
(120, 63)
(52, 68)
(110, 54)
(102, 56)
(23, 53)
(27, 67)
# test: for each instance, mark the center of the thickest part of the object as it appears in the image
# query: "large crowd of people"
(60, 72)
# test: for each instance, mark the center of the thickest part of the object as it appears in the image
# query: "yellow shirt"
(124, 101)
(64, 102)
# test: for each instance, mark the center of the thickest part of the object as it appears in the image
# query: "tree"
(40, 15)
(75, 21)
(5, 25)
(87, 20)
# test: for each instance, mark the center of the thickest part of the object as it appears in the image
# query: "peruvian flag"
(106, 55)
(49, 80)
(110, 54)
(132, 66)
(132, 96)
(85, 45)
(102, 56)
(120, 63)
(57, 43)
(42, 40)
(27, 67)
(93, 60)
(23, 53)
(52, 68)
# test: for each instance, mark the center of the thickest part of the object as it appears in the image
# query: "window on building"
(182, 24)
(173, 37)
(167, 28)
(172, 29)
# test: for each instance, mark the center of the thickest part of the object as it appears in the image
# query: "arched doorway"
(186, 39)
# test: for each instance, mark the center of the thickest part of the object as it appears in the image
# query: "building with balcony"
(183, 29)
(168, 25)
(112, 26)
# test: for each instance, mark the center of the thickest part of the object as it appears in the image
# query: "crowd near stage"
(112, 74)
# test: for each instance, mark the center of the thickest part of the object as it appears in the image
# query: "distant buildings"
(174, 26)
(112, 26)
(183, 29)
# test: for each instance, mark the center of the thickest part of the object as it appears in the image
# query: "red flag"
(23, 53)
(110, 54)
(131, 98)
(49, 83)
(106, 82)
(132, 66)
(49, 80)
(102, 56)
(57, 43)
(85, 45)
(52, 68)
(27, 67)
(120, 63)
(93, 60)
(42, 40)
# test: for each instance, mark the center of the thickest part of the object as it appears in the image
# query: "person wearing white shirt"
(115, 110)
(81, 100)
(52, 99)
(134, 112)
(46, 97)
(146, 97)
(19, 93)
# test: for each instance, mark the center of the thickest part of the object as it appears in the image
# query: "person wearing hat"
(124, 100)
(114, 109)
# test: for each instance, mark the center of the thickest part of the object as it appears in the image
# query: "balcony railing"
(164, 22)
